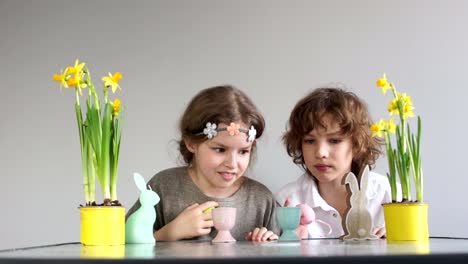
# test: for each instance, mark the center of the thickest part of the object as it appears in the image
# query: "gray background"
(276, 51)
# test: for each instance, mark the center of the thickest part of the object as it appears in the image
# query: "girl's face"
(220, 163)
(327, 153)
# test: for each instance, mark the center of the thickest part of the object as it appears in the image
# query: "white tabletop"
(193, 250)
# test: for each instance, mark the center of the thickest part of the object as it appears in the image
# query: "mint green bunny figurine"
(139, 226)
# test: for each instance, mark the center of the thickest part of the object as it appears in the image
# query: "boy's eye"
(335, 141)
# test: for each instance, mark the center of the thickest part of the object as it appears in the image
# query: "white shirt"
(304, 190)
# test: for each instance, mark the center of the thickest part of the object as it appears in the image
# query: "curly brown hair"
(219, 104)
(348, 110)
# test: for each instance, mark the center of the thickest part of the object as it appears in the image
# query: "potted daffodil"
(405, 218)
(100, 130)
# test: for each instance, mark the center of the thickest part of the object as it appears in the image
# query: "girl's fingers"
(266, 235)
(261, 234)
(258, 236)
(206, 216)
(207, 205)
(207, 224)
(273, 237)
(191, 206)
(205, 231)
(255, 233)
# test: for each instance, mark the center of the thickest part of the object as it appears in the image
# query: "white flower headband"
(211, 130)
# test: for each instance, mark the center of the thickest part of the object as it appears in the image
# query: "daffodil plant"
(99, 128)
(405, 158)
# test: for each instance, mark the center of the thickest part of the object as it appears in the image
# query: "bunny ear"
(139, 181)
(364, 178)
(352, 181)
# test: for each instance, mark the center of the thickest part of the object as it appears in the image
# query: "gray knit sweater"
(254, 202)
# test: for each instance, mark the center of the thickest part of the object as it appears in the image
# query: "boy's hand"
(380, 232)
(191, 222)
(261, 234)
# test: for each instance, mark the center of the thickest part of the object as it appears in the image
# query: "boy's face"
(220, 163)
(327, 153)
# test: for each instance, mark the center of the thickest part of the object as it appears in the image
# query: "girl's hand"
(261, 234)
(380, 232)
(191, 222)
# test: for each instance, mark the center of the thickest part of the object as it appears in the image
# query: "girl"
(218, 130)
(328, 136)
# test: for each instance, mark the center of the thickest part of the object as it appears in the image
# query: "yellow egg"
(208, 210)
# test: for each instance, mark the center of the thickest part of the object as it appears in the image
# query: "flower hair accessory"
(211, 130)
(233, 129)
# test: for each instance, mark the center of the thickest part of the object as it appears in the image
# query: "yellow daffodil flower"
(408, 105)
(61, 78)
(79, 75)
(77, 68)
(409, 111)
(112, 81)
(383, 126)
(57, 78)
(383, 84)
(393, 107)
(406, 98)
(72, 76)
(391, 126)
(115, 107)
(72, 83)
(97, 127)
(377, 129)
(403, 156)
(70, 70)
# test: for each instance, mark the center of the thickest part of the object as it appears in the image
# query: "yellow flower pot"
(406, 221)
(102, 225)
(421, 247)
(108, 252)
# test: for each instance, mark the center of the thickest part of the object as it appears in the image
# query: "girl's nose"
(231, 160)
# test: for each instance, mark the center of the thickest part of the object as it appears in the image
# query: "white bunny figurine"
(358, 219)
(139, 226)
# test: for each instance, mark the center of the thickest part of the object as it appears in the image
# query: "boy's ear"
(190, 145)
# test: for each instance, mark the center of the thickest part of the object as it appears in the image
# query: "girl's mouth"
(227, 176)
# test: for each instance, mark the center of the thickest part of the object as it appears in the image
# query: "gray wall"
(276, 51)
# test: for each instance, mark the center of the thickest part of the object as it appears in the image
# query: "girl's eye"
(244, 151)
(219, 150)
(309, 141)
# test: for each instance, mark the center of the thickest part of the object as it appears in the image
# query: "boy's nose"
(322, 150)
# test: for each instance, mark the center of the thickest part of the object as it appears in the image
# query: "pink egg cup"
(224, 219)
